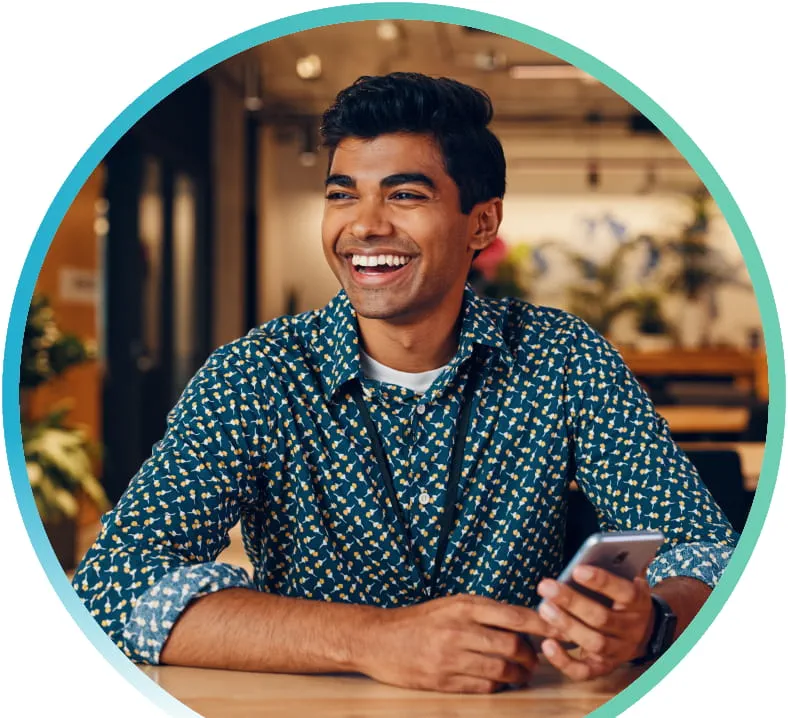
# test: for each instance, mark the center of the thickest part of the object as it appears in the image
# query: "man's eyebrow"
(390, 181)
(341, 181)
(407, 178)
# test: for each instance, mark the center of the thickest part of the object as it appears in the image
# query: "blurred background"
(203, 221)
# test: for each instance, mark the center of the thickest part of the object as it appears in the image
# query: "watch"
(662, 634)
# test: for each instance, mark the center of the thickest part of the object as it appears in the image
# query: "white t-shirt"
(418, 382)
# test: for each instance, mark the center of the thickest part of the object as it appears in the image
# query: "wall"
(68, 278)
(228, 176)
(292, 258)
(547, 197)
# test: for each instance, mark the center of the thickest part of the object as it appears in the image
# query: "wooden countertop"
(231, 694)
(694, 419)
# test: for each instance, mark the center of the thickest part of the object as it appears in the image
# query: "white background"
(69, 69)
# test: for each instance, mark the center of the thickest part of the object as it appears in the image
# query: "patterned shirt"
(267, 434)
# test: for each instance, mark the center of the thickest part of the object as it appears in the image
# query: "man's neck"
(416, 347)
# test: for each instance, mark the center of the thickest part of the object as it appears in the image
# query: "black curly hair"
(454, 114)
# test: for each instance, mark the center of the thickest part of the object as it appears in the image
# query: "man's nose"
(371, 220)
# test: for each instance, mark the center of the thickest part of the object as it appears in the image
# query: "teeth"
(392, 260)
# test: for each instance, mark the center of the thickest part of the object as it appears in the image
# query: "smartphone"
(623, 553)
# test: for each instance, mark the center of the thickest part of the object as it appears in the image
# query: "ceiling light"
(387, 31)
(307, 159)
(309, 67)
(308, 153)
(489, 60)
(549, 72)
(253, 88)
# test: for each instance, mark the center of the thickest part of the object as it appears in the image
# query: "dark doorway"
(157, 274)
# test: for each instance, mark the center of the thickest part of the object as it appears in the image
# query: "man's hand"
(607, 638)
(458, 644)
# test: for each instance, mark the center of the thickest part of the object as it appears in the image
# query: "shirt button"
(424, 499)
(420, 409)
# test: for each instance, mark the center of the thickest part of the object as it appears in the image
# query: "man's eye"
(405, 194)
(338, 195)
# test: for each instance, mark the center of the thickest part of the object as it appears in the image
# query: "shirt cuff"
(703, 561)
(157, 610)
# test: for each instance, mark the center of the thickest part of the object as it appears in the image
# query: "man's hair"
(454, 114)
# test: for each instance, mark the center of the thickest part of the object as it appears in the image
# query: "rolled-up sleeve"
(157, 548)
(156, 611)
(633, 472)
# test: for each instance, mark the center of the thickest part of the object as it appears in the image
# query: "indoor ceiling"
(478, 58)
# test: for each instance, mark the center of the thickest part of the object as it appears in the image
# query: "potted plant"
(655, 331)
(601, 294)
(59, 457)
(700, 270)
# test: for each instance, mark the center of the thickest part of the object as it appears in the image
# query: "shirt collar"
(340, 361)
(483, 323)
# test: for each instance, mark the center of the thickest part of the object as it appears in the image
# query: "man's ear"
(486, 220)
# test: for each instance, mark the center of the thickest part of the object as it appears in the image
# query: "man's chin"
(379, 307)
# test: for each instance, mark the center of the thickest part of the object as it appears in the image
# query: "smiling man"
(400, 459)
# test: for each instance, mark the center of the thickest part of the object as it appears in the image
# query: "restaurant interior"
(203, 222)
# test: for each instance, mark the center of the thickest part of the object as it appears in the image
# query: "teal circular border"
(394, 11)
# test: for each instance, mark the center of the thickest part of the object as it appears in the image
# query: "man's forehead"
(396, 154)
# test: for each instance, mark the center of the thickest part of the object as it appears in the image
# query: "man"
(400, 459)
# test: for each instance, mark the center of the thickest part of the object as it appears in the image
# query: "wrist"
(662, 632)
(645, 640)
(364, 633)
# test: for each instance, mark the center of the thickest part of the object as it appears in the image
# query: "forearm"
(244, 629)
(685, 596)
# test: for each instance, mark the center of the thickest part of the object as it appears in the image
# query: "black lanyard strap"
(452, 488)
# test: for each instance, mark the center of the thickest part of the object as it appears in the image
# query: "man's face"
(393, 232)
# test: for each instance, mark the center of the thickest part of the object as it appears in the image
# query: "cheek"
(328, 235)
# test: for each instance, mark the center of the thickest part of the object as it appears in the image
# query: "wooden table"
(230, 694)
(695, 419)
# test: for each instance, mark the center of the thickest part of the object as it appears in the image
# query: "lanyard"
(450, 503)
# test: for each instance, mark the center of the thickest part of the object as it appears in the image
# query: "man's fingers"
(589, 639)
(617, 621)
(571, 667)
(492, 668)
(589, 612)
(488, 612)
(621, 590)
(492, 641)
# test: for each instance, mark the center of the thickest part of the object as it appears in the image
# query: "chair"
(759, 418)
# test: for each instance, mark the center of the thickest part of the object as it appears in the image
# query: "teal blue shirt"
(267, 434)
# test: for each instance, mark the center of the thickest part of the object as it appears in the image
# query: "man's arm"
(157, 548)
(457, 644)
(637, 478)
(151, 580)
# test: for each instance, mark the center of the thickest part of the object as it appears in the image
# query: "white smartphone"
(623, 553)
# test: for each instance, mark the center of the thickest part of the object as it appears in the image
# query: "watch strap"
(662, 633)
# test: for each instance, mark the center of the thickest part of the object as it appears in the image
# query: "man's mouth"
(376, 264)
